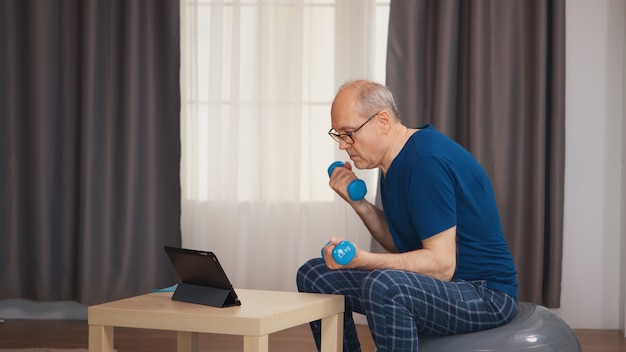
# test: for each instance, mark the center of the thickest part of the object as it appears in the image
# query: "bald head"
(366, 98)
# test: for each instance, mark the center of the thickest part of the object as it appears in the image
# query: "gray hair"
(373, 97)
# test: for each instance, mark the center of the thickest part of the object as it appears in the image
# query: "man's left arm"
(437, 258)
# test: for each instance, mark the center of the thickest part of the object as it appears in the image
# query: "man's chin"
(359, 164)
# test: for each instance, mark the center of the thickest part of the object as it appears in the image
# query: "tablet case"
(203, 278)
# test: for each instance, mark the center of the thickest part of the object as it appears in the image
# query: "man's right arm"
(374, 220)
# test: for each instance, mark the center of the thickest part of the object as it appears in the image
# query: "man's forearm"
(374, 220)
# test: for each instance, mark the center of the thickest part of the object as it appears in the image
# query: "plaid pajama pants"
(400, 304)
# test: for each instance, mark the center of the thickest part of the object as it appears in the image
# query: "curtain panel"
(89, 148)
(491, 75)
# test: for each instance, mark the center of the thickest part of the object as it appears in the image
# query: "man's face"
(364, 145)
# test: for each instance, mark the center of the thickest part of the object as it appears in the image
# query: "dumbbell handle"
(343, 253)
(356, 188)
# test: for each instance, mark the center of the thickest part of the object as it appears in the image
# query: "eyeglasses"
(347, 137)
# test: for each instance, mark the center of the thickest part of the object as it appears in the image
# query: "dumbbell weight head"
(343, 253)
(333, 166)
(356, 189)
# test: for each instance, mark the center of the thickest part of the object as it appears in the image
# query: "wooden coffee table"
(260, 314)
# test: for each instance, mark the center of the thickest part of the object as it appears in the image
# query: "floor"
(74, 334)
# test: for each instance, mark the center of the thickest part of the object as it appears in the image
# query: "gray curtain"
(491, 75)
(89, 147)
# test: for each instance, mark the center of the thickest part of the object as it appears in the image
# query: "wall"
(622, 295)
(592, 266)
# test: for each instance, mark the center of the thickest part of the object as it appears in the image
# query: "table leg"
(100, 338)
(256, 343)
(332, 333)
(187, 341)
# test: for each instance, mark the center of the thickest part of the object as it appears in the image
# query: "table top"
(261, 312)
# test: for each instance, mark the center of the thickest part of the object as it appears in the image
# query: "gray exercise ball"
(534, 328)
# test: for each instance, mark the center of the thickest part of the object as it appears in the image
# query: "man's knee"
(379, 284)
(306, 273)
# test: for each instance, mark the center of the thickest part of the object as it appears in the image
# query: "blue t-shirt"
(434, 184)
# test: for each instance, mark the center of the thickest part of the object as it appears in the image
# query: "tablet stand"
(208, 296)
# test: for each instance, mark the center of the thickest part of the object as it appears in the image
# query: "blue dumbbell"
(356, 188)
(343, 253)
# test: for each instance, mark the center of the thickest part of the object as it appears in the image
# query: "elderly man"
(448, 269)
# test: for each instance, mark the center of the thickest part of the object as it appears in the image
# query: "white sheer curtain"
(257, 81)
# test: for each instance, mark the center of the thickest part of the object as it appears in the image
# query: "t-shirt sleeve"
(431, 197)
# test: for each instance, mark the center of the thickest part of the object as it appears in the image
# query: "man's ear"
(384, 121)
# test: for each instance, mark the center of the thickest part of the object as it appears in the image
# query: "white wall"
(592, 286)
(622, 321)
(622, 292)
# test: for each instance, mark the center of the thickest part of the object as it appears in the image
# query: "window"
(257, 82)
(258, 78)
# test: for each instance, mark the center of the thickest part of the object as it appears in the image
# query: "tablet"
(203, 279)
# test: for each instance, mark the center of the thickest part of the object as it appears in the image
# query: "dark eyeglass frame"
(347, 137)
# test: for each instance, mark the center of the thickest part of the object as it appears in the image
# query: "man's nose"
(343, 145)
